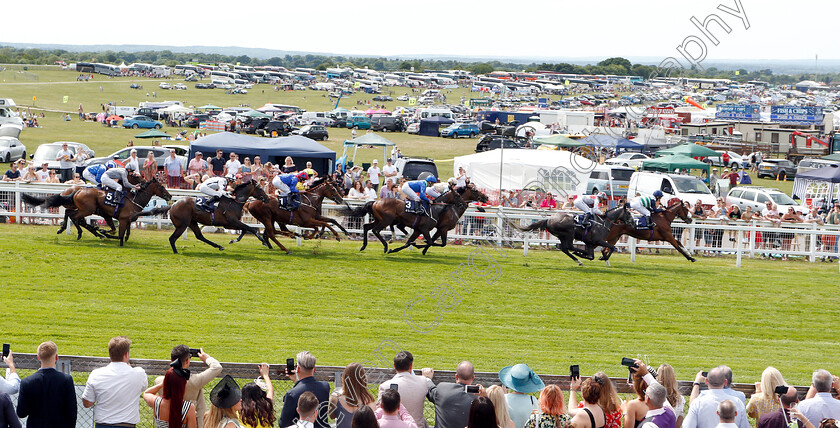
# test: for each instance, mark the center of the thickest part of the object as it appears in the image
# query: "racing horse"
(563, 226)
(89, 201)
(227, 214)
(661, 232)
(391, 211)
(308, 214)
(106, 215)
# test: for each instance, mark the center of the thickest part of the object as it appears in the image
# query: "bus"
(186, 69)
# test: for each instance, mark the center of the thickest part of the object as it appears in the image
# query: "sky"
(551, 29)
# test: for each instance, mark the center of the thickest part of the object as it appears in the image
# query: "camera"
(781, 389)
(705, 374)
(194, 352)
(471, 389)
(630, 363)
(290, 365)
(395, 387)
(574, 372)
(6, 349)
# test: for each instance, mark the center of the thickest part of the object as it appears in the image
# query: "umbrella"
(559, 140)
(672, 162)
(209, 107)
(152, 133)
(113, 117)
(690, 150)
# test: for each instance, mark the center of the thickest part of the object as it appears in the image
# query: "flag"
(356, 85)
(566, 82)
(412, 101)
(467, 103)
(737, 72)
(66, 98)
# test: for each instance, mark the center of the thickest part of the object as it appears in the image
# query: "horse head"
(680, 210)
(160, 190)
(471, 193)
(620, 213)
(331, 191)
(248, 189)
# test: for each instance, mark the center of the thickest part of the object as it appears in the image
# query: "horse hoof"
(580, 263)
(221, 248)
(693, 260)
(288, 252)
(607, 262)
(231, 241)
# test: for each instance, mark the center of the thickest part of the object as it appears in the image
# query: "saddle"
(201, 203)
(415, 207)
(289, 202)
(579, 220)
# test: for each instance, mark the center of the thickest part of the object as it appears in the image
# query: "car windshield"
(690, 185)
(622, 174)
(414, 169)
(782, 199)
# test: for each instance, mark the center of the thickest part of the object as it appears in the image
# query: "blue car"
(142, 122)
(460, 130)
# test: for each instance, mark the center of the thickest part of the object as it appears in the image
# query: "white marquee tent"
(523, 168)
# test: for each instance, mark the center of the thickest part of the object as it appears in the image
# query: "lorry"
(122, 111)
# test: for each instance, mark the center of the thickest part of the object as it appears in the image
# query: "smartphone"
(395, 387)
(6, 348)
(290, 365)
(337, 381)
(629, 362)
(574, 371)
(781, 389)
(194, 352)
(471, 389)
(704, 374)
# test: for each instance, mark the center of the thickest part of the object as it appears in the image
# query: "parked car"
(11, 149)
(600, 181)
(757, 197)
(149, 112)
(205, 86)
(194, 120)
(810, 164)
(275, 128)
(315, 132)
(135, 86)
(413, 128)
(255, 125)
(415, 168)
(47, 152)
(492, 142)
(629, 159)
(735, 160)
(382, 98)
(685, 187)
(164, 85)
(160, 153)
(456, 130)
(776, 168)
(358, 122)
(141, 122)
(402, 98)
(180, 87)
(387, 123)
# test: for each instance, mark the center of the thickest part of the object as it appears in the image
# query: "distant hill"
(783, 66)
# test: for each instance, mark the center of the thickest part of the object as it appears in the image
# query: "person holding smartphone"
(195, 384)
(304, 380)
(11, 383)
(453, 400)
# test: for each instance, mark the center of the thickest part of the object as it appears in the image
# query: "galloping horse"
(387, 212)
(227, 214)
(133, 179)
(563, 226)
(308, 214)
(662, 231)
(89, 201)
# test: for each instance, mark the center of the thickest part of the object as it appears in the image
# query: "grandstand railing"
(740, 239)
(79, 367)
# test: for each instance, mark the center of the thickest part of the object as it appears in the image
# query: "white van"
(123, 111)
(425, 113)
(316, 118)
(685, 187)
(6, 113)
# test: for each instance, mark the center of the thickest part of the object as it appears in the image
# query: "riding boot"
(587, 220)
(294, 200)
(119, 195)
(208, 202)
(650, 222)
(427, 209)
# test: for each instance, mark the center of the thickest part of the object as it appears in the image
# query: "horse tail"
(540, 225)
(50, 201)
(358, 212)
(32, 199)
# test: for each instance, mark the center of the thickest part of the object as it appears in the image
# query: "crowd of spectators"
(522, 400)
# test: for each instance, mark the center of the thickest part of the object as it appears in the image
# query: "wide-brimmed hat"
(521, 378)
(226, 393)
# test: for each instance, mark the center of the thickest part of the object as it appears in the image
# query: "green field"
(248, 303)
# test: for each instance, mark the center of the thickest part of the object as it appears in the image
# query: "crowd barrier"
(79, 367)
(751, 239)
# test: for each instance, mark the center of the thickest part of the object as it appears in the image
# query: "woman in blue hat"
(521, 381)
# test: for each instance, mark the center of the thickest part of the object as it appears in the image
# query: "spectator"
(171, 405)
(552, 411)
(150, 166)
(247, 169)
(12, 174)
(520, 380)
(43, 174)
(608, 401)
(258, 402)
(388, 190)
(732, 177)
(30, 176)
(53, 178)
(548, 203)
(226, 400)
(307, 408)
(819, 404)
(389, 171)
(357, 192)
(132, 160)
(658, 416)
(461, 178)
(370, 191)
(364, 418)
(373, 174)
(636, 409)
(482, 414)
(174, 170)
(727, 411)
(452, 402)
(232, 167)
(668, 378)
(47, 397)
(65, 162)
(288, 166)
(764, 400)
(354, 394)
(783, 417)
(257, 168)
(496, 394)
(813, 216)
(114, 388)
(701, 411)
(412, 388)
(390, 407)
(217, 164)
(77, 180)
(195, 384)
(8, 418)
(304, 381)
(593, 390)
(727, 374)
(198, 165)
(79, 160)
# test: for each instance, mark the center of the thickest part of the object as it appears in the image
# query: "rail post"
(632, 243)
(813, 242)
(738, 245)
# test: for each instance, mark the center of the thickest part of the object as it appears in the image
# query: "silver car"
(11, 148)
(45, 153)
(756, 197)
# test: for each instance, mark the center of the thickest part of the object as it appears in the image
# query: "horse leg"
(194, 226)
(566, 245)
(125, 224)
(179, 230)
(241, 234)
(236, 224)
(365, 228)
(376, 231)
(409, 242)
(439, 234)
(271, 234)
(676, 244)
(63, 225)
(607, 251)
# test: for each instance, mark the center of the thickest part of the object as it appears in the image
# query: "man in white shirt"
(11, 384)
(370, 192)
(822, 405)
(307, 408)
(115, 389)
(373, 174)
(44, 173)
(65, 163)
(390, 171)
(702, 413)
(412, 388)
(727, 412)
(232, 167)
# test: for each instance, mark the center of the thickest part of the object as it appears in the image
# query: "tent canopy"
(273, 150)
(555, 170)
(209, 107)
(626, 144)
(672, 162)
(430, 127)
(254, 113)
(559, 141)
(175, 108)
(832, 157)
(690, 150)
(829, 173)
(367, 139)
(152, 133)
(599, 140)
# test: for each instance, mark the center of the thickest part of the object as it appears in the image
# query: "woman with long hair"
(636, 409)
(609, 401)
(357, 192)
(593, 390)
(150, 166)
(765, 400)
(482, 414)
(668, 378)
(226, 400)
(170, 405)
(289, 166)
(258, 403)
(364, 418)
(552, 412)
(354, 394)
(496, 394)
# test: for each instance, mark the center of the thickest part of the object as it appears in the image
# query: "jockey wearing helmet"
(589, 205)
(286, 185)
(215, 188)
(114, 176)
(644, 205)
(93, 173)
(420, 190)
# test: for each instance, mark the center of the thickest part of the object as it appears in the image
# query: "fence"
(80, 367)
(708, 237)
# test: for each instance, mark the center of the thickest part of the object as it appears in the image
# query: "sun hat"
(521, 378)
(226, 393)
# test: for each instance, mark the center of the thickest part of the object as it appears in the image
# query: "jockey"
(644, 205)
(286, 184)
(589, 204)
(420, 190)
(93, 173)
(215, 188)
(114, 176)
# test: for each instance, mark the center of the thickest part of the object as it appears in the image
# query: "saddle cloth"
(413, 207)
(201, 201)
(111, 198)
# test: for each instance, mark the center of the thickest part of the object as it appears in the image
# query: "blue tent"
(430, 127)
(626, 144)
(598, 140)
(273, 150)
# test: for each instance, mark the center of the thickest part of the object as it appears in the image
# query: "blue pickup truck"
(460, 130)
